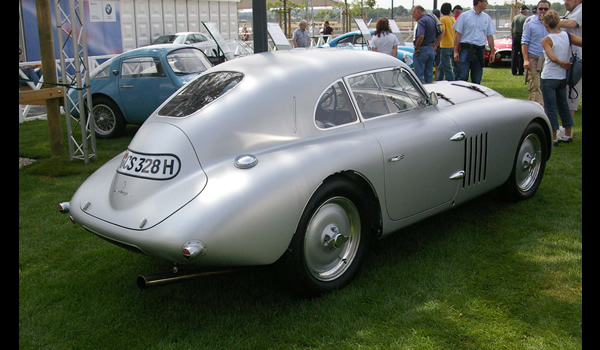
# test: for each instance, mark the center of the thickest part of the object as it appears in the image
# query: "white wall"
(142, 21)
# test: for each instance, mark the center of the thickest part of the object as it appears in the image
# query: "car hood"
(157, 175)
(457, 92)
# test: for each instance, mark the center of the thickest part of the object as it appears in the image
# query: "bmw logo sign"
(108, 9)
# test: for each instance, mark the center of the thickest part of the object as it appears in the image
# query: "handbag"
(574, 72)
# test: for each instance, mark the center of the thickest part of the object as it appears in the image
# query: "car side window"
(385, 92)
(334, 107)
(401, 91)
(102, 74)
(142, 67)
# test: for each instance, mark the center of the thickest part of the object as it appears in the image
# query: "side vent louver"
(475, 166)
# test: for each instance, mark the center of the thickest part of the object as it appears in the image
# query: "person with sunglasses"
(533, 52)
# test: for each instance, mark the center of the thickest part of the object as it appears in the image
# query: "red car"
(503, 51)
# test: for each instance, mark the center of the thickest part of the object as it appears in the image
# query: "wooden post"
(44, 22)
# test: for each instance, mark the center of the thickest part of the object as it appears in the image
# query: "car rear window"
(200, 92)
(188, 61)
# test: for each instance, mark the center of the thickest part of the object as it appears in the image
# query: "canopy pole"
(259, 26)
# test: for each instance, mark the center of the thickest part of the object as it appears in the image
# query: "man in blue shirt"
(533, 52)
(425, 38)
(473, 29)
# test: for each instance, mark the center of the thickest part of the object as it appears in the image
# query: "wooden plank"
(39, 97)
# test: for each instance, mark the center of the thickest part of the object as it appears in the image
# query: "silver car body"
(422, 160)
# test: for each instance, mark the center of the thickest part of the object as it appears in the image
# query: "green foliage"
(486, 275)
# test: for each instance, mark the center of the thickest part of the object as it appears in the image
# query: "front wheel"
(330, 243)
(528, 168)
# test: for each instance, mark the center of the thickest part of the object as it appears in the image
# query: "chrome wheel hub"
(332, 239)
(528, 165)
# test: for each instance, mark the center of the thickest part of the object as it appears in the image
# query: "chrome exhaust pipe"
(159, 279)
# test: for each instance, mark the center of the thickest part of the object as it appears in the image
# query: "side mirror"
(115, 72)
(433, 99)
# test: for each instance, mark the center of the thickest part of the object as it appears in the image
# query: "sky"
(428, 4)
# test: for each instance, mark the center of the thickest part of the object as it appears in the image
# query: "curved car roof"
(275, 101)
(165, 48)
(307, 68)
(157, 47)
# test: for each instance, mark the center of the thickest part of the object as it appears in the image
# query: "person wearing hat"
(516, 32)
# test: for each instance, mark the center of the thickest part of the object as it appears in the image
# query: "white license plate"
(150, 166)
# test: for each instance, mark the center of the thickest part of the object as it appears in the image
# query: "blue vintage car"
(127, 88)
(355, 40)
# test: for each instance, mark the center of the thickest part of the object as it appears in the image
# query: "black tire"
(109, 121)
(529, 165)
(330, 243)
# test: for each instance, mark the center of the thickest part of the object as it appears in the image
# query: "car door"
(422, 157)
(143, 86)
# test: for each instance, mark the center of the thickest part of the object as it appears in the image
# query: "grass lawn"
(486, 275)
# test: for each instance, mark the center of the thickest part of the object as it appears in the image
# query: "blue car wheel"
(109, 121)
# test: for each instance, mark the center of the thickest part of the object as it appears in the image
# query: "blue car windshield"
(200, 92)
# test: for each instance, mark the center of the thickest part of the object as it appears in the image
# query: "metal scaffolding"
(70, 23)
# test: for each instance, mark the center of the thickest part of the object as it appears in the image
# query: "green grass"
(486, 275)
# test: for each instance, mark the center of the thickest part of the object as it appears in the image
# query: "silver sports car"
(301, 157)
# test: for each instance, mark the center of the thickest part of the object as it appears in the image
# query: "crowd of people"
(541, 49)
(452, 42)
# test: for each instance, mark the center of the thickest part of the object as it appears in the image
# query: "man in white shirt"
(473, 29)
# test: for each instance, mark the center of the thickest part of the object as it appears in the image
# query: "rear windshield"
(165, 39)
(188, 61)
(200, 92)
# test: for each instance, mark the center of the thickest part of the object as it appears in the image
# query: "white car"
(187, 38)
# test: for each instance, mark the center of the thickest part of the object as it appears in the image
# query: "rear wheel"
(331, 241)
(109, 121)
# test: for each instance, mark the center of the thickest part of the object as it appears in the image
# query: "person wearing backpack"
(572, 22)
(426, 37)
(554, 75)
(473, 29)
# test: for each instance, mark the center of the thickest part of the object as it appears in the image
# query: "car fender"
(493, 142)
(276, 190)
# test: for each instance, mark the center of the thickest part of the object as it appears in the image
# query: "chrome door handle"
(127, 86)
(459, 136)
(397, 158)
(459, 175)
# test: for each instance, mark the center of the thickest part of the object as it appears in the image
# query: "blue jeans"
(424, 64)
(470, 60)
(554, 93)
(446, 60)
